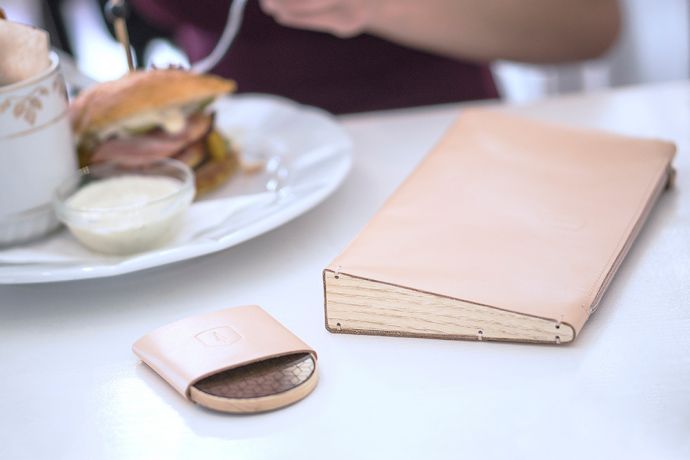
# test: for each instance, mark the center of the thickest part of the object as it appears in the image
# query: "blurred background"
(654, 46)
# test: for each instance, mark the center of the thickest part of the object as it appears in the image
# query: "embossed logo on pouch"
(218, 336)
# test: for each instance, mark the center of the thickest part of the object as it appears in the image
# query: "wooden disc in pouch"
(237, 360)
(258, 387)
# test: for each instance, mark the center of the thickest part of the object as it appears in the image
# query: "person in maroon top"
(360, 55)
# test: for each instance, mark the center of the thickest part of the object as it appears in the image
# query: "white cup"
(36, 153)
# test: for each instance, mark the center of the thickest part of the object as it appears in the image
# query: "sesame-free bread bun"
(141, 91)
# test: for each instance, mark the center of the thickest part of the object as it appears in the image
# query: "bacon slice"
(155, 145)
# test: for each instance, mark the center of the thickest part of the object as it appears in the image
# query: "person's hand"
(344, 18)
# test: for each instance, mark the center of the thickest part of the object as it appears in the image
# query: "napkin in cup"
(24, 52)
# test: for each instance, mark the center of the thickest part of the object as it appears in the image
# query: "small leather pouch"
(234, 360)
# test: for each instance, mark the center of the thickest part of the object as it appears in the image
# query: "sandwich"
(149, 115)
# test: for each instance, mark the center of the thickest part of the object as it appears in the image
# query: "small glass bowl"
(142, 224)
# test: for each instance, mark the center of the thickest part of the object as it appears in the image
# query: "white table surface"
(71, 387)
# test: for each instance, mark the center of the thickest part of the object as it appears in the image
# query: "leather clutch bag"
(510, 229)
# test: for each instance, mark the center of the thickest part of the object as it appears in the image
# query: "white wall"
(653, 46)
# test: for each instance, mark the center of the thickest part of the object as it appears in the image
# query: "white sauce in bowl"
(123, 191)
(127, 214)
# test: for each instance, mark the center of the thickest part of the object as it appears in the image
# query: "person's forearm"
(523, 30)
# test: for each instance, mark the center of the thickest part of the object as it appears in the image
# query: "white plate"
(307, 155)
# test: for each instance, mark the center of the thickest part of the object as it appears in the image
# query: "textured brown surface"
(264, 378)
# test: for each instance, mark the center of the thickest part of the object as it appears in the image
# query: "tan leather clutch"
(510, 229)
